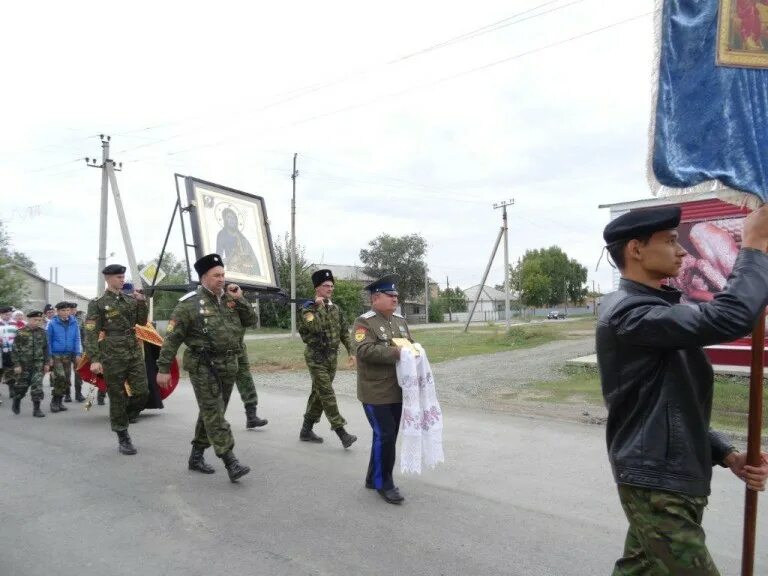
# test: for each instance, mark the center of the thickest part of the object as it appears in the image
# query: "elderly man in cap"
(114, 350)
(30, 362)
(7, 335)
(210, 321)
(658, 385)
(377, 386)
(322, 328)
(65, 349)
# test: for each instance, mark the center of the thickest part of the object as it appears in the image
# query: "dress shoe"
(391, 495)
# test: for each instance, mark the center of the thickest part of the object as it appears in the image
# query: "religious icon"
(743, 33)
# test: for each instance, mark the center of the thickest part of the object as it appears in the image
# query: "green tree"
(277, 314)
(402, 255)
(349, 296)
(13, 291)
(547, 277)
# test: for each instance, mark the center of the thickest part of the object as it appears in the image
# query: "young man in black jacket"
(657, 384)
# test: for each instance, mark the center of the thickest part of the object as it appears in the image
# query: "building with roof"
(40, 291)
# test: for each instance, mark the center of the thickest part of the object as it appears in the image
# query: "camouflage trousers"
(212, 394)
(665, 537)
(323, 398)
(61, 377)
(78, 380)
(7, 376)
(30, 380)
(118, 372)
(244, 380)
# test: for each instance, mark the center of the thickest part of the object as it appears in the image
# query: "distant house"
(40, 291)
(490, 306)
(345, 272)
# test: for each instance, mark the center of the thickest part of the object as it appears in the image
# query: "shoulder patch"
(188, 295)
(398, 315)
(369, 314)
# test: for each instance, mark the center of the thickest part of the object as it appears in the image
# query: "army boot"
(100, 398)
(62, 408)
(16, 406)
(251, 420)
(346, 438)
(67, 396)
(124, 443)
(79, 393)
(234, 468)
(56, 404)
(36, 412)
(306, 434)
(197, 461)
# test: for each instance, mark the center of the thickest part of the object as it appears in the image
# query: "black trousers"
(385, 423)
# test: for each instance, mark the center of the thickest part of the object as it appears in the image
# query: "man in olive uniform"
(247, 389)
(377, 386)
(30, 362)
(118, 355)
(322, 328)
(210, 321)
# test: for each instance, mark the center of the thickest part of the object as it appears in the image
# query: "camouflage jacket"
(377, 356)
(30, 348)
(114, 315)
(322, 328)
(204, 322)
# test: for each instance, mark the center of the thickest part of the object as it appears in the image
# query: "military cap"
(47, 308)
(644, 222)
(5, 309)
(34, 314)
(321, 276)
(207, 262)
(73, 304)
(387, 284)
(62, 305)
(113, 269)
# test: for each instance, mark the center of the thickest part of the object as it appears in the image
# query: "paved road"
(517, 496)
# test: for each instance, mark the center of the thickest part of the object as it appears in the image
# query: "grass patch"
(442, 343)
(581, 384)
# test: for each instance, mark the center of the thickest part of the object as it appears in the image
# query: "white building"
(40, 291)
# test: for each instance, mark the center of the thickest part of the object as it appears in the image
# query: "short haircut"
(616, 250)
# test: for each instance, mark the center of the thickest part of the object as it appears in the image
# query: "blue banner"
(711, 121)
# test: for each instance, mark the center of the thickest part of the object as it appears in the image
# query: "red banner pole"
(753, 444)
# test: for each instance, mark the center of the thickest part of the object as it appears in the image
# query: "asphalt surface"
(516, 496)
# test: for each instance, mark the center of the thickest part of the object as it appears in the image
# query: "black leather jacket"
(657, 382)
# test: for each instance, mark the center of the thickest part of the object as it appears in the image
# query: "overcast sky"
(403, 122)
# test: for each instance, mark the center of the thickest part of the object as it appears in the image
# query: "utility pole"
(448, 287)
(108, 179)
(503, 205)
(294, 175)
(426, 295)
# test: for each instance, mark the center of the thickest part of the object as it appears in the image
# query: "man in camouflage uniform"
(114, 350)
(247, 389)
(322, 328)
(7, 334)
(210, 321)
(377, 386)
(30, 363)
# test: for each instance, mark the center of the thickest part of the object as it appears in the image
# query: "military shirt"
(201, 320)
(322, 328)
(377, 356)
(114, 314)
(30, 348)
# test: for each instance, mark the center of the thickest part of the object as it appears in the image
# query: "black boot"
(100, 398)
(234, 468)
(16, 406)
(36, 412)
(56, 404)
(197, 461)
(67, 397)
(62, 408)
(306, 434)
(79, 394)
(251, 420)
(346, 438)
(124, 443)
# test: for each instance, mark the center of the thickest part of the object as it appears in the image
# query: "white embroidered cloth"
(421, 424)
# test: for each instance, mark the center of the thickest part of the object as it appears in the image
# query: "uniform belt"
(227, 352)
(127, 332)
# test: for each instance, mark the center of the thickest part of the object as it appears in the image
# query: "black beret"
(386, 284)
(34, 314)
(73, 304)
(113, 269)
(321, 276)
(47, 308)
(62, 305)
(642, 222)
(207, 262)
(4, 309)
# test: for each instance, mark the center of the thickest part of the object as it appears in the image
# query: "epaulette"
(188, 295)
(398, 315)
(369, 314)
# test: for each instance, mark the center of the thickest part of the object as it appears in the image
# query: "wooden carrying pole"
(753, 444)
